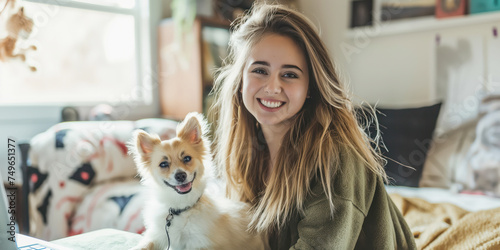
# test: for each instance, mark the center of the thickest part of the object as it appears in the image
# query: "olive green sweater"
(364, 216)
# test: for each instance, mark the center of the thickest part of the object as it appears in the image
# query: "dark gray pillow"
(407, 135)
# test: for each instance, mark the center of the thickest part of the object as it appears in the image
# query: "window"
(88, 52)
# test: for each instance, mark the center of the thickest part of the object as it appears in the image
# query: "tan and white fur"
(18, 26)
(176, 171)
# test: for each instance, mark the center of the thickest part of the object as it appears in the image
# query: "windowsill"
(121, 111)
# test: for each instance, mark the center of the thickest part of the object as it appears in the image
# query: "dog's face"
(175, 164)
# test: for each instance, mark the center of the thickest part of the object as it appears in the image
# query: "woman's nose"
(273, 86)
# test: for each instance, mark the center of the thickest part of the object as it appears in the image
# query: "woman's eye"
(187, 159)
(164, 164)
(290, 75)
(259, 71)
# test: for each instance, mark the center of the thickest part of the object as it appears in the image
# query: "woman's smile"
(270, 104)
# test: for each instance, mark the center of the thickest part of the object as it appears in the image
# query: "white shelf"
(412, 25)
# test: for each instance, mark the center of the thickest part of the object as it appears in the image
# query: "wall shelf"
(420, 24)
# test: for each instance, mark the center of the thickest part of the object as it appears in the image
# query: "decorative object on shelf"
(397, 9)
(480, 6)
(69, 114)
(18, 26)
(361, 13)
(449, 8)
(101, 112)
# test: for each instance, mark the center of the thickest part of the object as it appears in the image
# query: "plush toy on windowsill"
(17, 26)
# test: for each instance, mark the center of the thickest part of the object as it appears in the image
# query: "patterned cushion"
(116, 204)
(69, 159)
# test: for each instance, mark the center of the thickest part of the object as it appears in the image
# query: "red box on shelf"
(449, 8)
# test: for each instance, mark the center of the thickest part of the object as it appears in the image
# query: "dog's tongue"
(184, 188)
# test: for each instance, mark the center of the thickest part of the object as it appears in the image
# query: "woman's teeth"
(270, 104)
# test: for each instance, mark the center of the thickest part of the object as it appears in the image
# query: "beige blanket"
(446, 226)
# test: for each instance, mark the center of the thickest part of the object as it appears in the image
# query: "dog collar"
(171, 212)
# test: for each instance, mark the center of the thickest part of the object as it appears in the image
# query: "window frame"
(147, 15)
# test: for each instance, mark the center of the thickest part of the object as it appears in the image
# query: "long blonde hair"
(324, 131)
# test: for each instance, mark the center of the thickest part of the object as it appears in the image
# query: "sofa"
(80, 177)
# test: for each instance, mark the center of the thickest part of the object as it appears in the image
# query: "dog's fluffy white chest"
(188, 230)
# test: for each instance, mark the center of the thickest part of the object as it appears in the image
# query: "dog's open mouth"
(184, 188)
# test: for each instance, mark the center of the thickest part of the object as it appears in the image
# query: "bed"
(450, 197)
(443, 219)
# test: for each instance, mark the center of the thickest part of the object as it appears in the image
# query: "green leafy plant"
(183, 14)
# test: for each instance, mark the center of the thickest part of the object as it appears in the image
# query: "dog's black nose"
(180, 177)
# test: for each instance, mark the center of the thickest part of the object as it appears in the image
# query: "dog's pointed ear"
(190, 129)
(144, 142)
(140, 147)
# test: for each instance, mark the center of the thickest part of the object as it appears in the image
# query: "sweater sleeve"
(319, 230)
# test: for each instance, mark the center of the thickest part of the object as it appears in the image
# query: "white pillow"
(445, 163)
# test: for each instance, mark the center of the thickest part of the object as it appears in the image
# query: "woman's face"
(275, 80)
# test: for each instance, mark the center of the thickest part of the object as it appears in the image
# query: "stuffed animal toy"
(18, 26)
(484, 155)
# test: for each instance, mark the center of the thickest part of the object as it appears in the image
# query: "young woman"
(289, 143)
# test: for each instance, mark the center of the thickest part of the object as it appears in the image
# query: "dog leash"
(170, 217)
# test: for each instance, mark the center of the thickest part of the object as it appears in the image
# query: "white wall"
(393, 69)
(332, 20)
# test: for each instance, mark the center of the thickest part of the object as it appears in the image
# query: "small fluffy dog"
(179, 214)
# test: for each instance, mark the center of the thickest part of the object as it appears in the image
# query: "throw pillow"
(407, 136)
